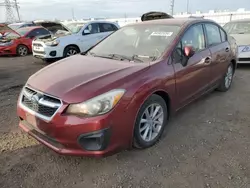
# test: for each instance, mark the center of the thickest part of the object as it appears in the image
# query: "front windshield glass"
(144, 41)
(14, 26)
(75, 27)
(21, 31)
(238, 27)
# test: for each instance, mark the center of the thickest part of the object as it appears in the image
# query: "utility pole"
(187, 6)
(17, 9)
(172, 7)
(73, 13)
(9, 14)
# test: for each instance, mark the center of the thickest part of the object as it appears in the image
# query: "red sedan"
(122, 92)
(19, 42)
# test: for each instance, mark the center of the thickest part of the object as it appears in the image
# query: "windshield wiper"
(137, 58)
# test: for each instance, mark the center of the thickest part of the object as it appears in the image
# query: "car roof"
(174, 21)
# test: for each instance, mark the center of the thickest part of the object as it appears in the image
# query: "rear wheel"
(22, 50)
(71, 50)
(227, 79)
(150, 122)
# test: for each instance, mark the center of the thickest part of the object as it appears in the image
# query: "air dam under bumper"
(70, 135)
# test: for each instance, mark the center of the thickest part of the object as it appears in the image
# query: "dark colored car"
(122, 92)
(19, 42)
(155, 15)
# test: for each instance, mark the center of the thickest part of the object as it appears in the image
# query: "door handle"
(227, 49)
(207, 60)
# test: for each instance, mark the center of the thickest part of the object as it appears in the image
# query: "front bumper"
(70, 135)
(243, 57)
(41, 51)
(7, 50)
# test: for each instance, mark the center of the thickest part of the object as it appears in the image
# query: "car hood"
(5, 28)
(242, 39)
(52, 37)
(78, 78)
(155, 15)
(53, 27)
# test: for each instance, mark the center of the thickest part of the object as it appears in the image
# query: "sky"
(62, 9)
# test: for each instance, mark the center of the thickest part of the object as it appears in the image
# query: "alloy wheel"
(151, 122)
(229, 77)
(22, 51)
(71, 52)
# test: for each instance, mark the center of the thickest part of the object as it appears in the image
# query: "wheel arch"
(233, 61)
(21, 44)
(74, 45)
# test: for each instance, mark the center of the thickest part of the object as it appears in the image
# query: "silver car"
(240, 30)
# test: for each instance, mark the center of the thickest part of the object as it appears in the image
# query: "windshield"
(238, 27)
(21, 31)
(147, 42)
(14, 26)
(75, 27)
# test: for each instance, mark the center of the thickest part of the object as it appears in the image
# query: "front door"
(192, 78)
(90, 39)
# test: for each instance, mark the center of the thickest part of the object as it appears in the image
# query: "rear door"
(106, 29)
(192, 79)
(220, 50)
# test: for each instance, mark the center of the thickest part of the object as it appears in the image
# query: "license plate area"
(32, 120)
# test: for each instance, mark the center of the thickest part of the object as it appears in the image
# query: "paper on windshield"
(161, 34)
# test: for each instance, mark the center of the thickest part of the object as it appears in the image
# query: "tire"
(140, 140)
(227, 80)
(70, 50)
(22, 50)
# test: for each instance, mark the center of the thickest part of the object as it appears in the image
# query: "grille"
(39, 52)
(244, 59)
(38, 45)
(40, 103)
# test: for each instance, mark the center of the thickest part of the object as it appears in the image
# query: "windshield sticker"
(162, 34)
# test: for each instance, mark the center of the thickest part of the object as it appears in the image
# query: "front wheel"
(70, 50)
(22, 50)
(150, 122)
(227, 79)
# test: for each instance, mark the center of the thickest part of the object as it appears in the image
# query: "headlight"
(246, 49)
(52, 43)
(6, 43)
(97, 105)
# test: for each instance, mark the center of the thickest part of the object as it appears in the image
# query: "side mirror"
(189, 51)
(86, 31)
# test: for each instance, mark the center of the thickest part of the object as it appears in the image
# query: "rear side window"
(223, 35)
(213, 34)
(107, 27)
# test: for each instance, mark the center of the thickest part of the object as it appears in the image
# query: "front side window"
(93, 28)
(194, 37)
(213, 34)
(138, 40)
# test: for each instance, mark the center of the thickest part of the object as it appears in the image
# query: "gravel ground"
(206, 145)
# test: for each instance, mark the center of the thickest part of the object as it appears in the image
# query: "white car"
(240, 30)
(78, 39)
